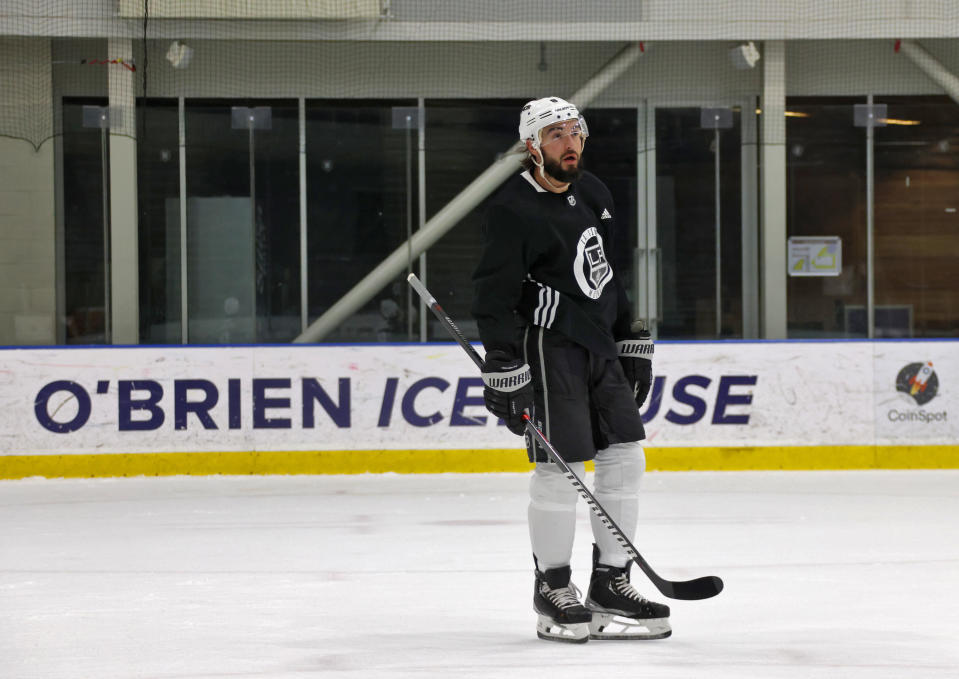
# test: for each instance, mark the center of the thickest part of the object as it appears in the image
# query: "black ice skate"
(561, 615)
(619, 611)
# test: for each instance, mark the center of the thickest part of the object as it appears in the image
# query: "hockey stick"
(700, 588)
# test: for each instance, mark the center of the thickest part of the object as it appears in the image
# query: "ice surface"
(828, 574)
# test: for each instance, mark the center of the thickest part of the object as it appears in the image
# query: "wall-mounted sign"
(815, 256)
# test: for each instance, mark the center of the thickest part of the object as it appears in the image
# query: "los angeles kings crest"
(591, 268)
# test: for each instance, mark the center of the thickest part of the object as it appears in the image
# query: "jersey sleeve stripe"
(545, 312)
(538, 314)
(552, 310)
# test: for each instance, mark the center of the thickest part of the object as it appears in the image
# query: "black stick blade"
(691, 590)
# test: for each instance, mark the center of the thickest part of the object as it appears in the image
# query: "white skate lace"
(626, 589)
(564, 597)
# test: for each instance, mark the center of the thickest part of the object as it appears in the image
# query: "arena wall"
(734, 405)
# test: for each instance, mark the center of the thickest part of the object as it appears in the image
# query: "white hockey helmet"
(540, 113)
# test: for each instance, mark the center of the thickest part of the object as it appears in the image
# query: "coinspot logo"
(919, 381)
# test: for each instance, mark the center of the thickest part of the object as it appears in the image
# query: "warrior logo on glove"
(636, 358)
(510, 381)
(636, 348)
(509, 389)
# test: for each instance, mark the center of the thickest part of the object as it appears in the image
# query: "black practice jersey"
(545, 259)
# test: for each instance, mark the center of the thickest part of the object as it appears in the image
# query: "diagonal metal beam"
(455, 210)
(932, 67)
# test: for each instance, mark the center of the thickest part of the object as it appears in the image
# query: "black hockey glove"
(509, 389)
(636, 357)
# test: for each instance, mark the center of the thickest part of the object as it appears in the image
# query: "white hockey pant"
(552, 506)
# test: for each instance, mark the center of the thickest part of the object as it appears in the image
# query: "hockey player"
(555, 323)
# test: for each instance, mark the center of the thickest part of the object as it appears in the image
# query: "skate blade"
(607, 626)
(550, 630)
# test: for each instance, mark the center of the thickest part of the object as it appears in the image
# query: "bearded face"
(565, 170)
(562, 147)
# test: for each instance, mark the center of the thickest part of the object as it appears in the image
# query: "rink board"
(114, 411)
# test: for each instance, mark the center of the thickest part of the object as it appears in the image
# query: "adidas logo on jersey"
(605, 214)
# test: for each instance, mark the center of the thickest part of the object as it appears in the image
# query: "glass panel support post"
(640, 261)
(251, 119)
(719, 237)
(408, 118)
(60, 243)
(717, 119)
(184, 303)
(107, 292)
(648, 270)
(870, 116)
(421, 215)
(304, 263)
(750, 220)
(98, 117)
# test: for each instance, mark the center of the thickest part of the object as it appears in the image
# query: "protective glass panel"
(385, 55)
(85, 234)
(158, 202)
(917, 218)
(826, 196)
(361, 204)
(242, 225)
(463, 138)
(688, 221)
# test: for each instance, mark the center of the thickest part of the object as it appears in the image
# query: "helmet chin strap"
(542, 173)
(541, 165)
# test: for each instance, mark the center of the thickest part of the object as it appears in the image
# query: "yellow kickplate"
(466, 461)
